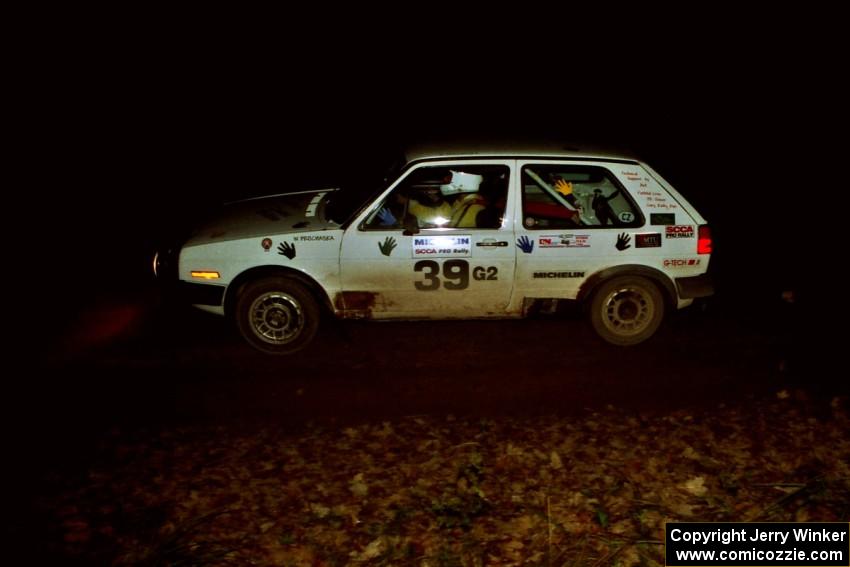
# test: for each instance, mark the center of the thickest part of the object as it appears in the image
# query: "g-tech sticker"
(679, 231)
(286, 249)
(266, 244)
(442, 246)
(564, 241)
(662, 218)
(648, 240)
(387, 246)
(314, 204)
(681, 262)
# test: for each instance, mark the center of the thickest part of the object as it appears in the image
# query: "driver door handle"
(490, 242)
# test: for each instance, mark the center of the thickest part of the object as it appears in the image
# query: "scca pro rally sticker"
(679, 231)
(442, 246)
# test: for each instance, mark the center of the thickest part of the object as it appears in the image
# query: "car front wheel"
(277, 315)
(626, 310)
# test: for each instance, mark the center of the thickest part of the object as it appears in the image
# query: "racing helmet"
(461, 183)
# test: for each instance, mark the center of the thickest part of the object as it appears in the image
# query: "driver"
(469, 203)
(430, 209)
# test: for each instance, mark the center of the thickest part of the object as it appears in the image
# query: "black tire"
(277, 315)
(626, 310)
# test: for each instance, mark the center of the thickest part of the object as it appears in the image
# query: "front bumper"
(165, 263)
(201, 294)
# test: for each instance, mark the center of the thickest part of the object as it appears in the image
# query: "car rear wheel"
(277, 315)
(626, 310)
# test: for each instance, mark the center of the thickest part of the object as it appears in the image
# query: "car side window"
(568, 196)
(457, 196)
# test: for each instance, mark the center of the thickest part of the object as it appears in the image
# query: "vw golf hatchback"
(458, 232)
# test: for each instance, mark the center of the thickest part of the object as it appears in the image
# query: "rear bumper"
(695, 287)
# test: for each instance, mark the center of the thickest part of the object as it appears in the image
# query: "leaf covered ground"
(591, 489)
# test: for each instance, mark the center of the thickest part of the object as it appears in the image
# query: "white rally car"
(459, 233)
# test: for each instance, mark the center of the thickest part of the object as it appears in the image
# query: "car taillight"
(704, 240)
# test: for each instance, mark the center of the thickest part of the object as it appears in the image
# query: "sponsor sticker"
(442, 246)
(679, 231)
(557, 275)
(681, 262)
(564, 241)
(266, 244)
(648, 240)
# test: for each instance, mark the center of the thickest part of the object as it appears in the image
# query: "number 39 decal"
(455, 274)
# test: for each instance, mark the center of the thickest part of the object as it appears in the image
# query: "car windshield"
(359, 187)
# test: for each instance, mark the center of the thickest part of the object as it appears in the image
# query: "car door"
(396, 264)
(576, 218)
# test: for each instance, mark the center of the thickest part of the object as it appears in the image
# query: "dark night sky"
(140, 132)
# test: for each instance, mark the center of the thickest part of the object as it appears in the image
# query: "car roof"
(561, 150)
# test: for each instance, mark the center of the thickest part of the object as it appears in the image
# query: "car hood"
(262, 216)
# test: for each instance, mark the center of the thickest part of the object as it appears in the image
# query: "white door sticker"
(442, 246)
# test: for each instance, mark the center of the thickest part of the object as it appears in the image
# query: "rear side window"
(568, 196)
